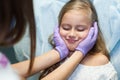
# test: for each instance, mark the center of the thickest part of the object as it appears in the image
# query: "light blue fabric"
(46, 16)
(109, 19)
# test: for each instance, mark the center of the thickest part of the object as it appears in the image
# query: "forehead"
(77, 16)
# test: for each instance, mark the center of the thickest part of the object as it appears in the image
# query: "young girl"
(76, 19)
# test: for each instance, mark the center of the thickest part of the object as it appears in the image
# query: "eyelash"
(68, 28)
(80, 29)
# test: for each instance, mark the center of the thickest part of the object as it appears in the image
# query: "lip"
(71, 41)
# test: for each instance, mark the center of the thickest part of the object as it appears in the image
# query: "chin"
(72, 49)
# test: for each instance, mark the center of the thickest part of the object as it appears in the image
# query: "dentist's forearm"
(65, 70)
(41, 62)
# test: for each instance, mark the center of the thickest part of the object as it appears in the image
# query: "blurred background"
(11, 55)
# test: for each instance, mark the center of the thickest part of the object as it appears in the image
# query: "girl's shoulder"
(95, 60)
(94, 64)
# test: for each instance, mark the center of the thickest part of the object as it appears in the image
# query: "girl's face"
(74, 27)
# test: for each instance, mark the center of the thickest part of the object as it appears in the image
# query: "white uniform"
(103, 72)
(6, 72)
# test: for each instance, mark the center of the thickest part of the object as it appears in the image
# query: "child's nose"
(72, 34)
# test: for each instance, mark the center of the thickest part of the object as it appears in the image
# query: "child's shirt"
(6, 72)
(103, 72)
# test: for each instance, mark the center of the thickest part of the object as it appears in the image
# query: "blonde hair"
(87, 6)
(84, 5)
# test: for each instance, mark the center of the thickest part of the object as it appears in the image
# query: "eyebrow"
(79, 25)
(65, 24)
(82, 26)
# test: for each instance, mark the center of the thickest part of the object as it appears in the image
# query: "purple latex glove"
(60, 44)
(89, 41)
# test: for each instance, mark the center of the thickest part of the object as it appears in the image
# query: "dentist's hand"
(89, 41)
(60, 44)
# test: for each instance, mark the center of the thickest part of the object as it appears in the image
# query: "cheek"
(83, 35)
(63, 33)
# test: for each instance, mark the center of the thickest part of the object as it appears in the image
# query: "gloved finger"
(95, 31)
(91, 33)
(56, 30)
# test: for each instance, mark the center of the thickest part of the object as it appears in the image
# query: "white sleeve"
(113, 76)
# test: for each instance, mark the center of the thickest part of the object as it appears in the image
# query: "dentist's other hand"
(87, 44)
(60, 44)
